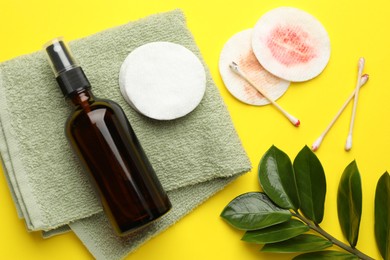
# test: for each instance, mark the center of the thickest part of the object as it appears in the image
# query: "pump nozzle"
(60, 56)
(67, 71)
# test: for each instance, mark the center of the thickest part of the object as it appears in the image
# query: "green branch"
(331, 238)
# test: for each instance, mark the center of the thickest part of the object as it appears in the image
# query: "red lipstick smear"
(291, 45)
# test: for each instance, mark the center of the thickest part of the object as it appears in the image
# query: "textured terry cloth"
(194, 156)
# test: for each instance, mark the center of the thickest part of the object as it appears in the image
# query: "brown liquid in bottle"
(109, 150)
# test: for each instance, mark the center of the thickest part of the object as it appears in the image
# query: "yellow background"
(356, 28)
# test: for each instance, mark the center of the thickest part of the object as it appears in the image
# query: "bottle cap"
(59, 56)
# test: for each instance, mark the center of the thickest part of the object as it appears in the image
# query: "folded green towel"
(194, 156)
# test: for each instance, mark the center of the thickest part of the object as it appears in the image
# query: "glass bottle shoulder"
(87, 110)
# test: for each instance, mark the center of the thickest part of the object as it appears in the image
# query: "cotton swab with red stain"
(234, 67)
(318, 142)
(348, 144)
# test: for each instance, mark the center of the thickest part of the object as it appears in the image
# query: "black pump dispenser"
(69, 75)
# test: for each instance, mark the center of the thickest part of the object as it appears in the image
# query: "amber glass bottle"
(102, 138)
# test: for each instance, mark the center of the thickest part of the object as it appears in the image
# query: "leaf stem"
(332, 239)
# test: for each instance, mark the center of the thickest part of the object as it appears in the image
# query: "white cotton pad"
(162, 80)
(291, 44)
(238, 49)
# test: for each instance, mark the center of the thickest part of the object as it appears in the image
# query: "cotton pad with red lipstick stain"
(238, 49)
(291, 44)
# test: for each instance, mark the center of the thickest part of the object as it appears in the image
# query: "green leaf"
(349, 203)
(254, 210)
(301, 243)
(382, 215)
(324, 255)
(276, 176)
(276, 233)
(311, 183)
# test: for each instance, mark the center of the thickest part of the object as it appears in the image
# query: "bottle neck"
(82, 98)
(72, 80)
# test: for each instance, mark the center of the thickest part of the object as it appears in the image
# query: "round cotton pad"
(162, 80)
(291, 44)
(238, 49)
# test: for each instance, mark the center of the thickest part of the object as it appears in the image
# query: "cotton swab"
(348, 144)
(234, 67)
(318, 142)
(239, 49)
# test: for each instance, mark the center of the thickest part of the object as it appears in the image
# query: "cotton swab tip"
(348, 144)
(361, 62)
(364, 79)
(234, 66)
(317, 143)
(293, 120)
